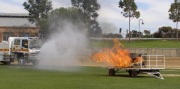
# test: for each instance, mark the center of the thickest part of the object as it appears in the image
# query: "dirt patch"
(171, 75)
(172, 63)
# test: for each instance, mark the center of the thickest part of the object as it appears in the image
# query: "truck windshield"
(34, 43)
(25, 43)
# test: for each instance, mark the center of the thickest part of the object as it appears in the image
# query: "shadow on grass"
(16, 65)
(126, 76)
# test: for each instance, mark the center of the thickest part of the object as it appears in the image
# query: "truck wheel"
(134, 73)
(6, 63)
(111, 72)
(130, 72)
(21, 61)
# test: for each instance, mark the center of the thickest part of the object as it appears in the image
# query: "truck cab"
(21, 49)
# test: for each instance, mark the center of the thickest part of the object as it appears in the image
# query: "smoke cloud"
(108, 27)
(64, 48)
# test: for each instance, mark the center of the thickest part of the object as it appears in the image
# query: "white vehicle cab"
(21, 49)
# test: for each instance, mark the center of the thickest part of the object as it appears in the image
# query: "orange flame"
(116, 56)
(137, 60)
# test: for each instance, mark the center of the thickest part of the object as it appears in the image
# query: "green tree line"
(86, 11)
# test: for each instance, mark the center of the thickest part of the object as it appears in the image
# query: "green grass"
(27, 77)
(137, 44)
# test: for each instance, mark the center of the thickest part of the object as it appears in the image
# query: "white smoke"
(64, 48)
(108, 27)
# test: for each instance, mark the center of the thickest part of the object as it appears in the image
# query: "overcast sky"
(153, 12)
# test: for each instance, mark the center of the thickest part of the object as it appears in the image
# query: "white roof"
(14, 14)
(13, 19)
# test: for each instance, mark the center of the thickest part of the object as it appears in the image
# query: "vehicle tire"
(6, 63)
(21, 61)
(130, 71)
(111, 72)
(134, 73)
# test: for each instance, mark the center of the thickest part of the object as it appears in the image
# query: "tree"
(134, 34)
(166, 32)
(147, 32)
(174, 14)
(129, 11)
(112, 35)
(89, 8)
(174, 31)
(38, 11)
(157, 35)
(62, 16)
(165, 29)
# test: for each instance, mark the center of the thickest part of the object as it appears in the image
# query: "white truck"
(21, 49)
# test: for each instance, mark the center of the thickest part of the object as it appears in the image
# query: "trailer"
(149, 64)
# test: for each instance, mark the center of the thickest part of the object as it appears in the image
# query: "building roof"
(15, 20)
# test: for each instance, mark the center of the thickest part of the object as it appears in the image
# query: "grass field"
(137, 43)
(28, 77)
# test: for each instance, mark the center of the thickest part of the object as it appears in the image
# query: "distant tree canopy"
(147, 32)
(134, 34)
(38, 11)
(89, 8)
(112, 35)
(165, 29)
(166, 32)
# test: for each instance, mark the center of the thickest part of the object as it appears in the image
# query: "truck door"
(25, 45)
(17, 45)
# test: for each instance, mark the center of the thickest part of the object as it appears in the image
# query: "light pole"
(139, 25)
(177, 19)
(130, 20)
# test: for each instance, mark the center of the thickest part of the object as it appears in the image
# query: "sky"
(154, 14)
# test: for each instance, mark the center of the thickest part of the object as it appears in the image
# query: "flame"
(115, 56)
(138, 60)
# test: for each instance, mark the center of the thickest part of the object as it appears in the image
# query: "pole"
(177, 17)
(129, 20)
(129, 28)
(139, 25)
(177, 31)
(139, 28)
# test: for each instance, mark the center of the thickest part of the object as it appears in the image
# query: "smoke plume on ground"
(64, 48)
